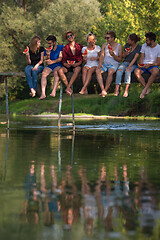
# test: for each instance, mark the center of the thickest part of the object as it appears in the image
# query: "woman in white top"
(90, 56)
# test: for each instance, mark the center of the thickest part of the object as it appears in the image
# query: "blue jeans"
(127, 77)
(32, 76)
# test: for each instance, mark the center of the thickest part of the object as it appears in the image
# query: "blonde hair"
(88, 35)
(33, 44)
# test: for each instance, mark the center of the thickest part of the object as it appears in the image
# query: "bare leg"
(100, 81)
(62, 75)
(109, 79)
(138, 72)
(88, 79)
(33, 92)
(126, 91)
(116, 90)
(56, 81)
(84, 76)
(73, 78)
(154, 72)
(45, 73)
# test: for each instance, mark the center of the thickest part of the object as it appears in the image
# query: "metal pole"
(73, 120)
(7, 108)
(60, 106)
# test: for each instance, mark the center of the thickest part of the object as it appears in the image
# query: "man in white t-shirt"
(149, 62)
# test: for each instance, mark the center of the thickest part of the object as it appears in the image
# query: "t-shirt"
(92, 53)
(132, 54)
(54, 54)
(36, 57)
(150, 54)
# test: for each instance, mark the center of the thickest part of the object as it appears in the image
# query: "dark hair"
(51, 38)
(134, 37)
(151, 36)
(111, 33)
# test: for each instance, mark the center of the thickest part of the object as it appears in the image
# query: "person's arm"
(141, 59)
(59, 59)
(40, 62)
(28, 58)
(119, 57)
(157, 63)
(101, 57)
(133, 61)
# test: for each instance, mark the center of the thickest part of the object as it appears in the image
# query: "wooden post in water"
(73, 120)
(60, 107)
(7, 107)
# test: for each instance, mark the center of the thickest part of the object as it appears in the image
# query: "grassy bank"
(93, 104)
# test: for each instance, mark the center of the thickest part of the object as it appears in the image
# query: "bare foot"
(116, 94)
(125, 94)
(147, 92)
(68, 91)
(81, 92)
(42, 97)
(32, 93)
(103, 93)
(53, 94)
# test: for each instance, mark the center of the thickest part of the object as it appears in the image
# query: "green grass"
(92, 104)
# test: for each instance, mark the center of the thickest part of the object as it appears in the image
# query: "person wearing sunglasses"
(109, 60)
(71, 59)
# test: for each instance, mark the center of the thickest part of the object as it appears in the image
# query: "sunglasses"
(70, 35)
(107, 38)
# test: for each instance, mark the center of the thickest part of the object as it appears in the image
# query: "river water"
(103, 182)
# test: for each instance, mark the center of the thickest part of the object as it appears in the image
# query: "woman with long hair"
(34, 57)
(130, 55)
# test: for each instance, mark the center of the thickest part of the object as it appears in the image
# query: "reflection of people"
(50, 204)
(130, 54)
(53, 61)
(105, 200)
(34, 59)
(109, 60)
(69, 200)
(71, 59)
(90, 56)
(147, 203)
(150, 57)
(31, 206)
(89, 209)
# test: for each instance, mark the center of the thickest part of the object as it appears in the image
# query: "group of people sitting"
(92, 58)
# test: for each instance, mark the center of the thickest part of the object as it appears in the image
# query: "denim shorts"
(54, 65)
(106, 67)
(146, 70)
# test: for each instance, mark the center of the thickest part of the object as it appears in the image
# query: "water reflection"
(92, 185)
(108, 205)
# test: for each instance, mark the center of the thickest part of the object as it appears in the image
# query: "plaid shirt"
(68, 55)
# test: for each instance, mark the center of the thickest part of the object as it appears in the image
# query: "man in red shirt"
(71, 60)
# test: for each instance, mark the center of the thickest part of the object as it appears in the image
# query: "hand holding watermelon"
(140, 65)
(85, 53)
(26, 50)
(70, 62)
(128, 50)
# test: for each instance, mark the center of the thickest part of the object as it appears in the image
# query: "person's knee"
(137, 72)
(155, 72)
(111, 72)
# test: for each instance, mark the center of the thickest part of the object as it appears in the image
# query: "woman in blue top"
(54, 62)
(34, 58)
(130, 55)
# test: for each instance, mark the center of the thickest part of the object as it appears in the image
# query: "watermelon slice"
(128, 49)
(109, 47)
(49, 48)
(70, 62)
(85, 52)
(140, 64)
(26, 50)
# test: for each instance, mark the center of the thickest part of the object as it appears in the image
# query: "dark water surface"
(101, 183)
